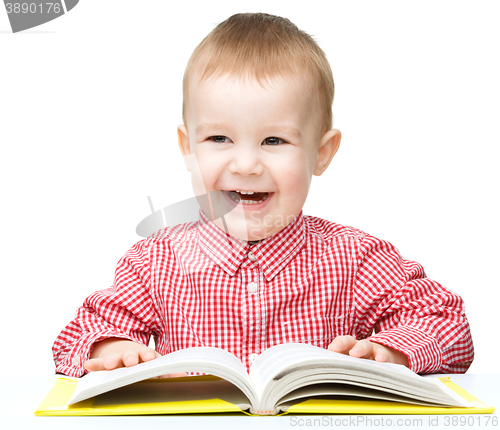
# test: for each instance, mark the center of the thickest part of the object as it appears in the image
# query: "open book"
(281, 378)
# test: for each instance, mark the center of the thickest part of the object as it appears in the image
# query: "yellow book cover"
(290, 377)
(209, 394)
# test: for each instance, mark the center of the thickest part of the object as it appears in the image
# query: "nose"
(246, 161)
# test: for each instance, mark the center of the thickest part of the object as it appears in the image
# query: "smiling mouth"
(248, 197)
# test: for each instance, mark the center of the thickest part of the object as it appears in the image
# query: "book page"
(287, 367)
(343, 391)
(276, 362)
(209, 360)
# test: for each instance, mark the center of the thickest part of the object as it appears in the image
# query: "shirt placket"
(251, 278)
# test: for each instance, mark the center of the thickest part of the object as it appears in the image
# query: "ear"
(183, 140)
(328, 147)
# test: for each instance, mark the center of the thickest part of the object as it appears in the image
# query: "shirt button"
(251, 257)
(252, 357)
(252, 287)
(76, 361)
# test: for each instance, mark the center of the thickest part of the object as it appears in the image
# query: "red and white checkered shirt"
(194, 285)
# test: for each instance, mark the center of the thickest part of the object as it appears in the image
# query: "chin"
(235, 226)
(242, 229)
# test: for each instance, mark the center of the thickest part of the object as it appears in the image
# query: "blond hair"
(262, 46)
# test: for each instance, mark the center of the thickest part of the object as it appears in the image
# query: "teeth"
(246, 202)
(245, 192)
(250, 202)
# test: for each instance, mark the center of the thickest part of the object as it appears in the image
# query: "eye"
(219, 139)
(273, 141)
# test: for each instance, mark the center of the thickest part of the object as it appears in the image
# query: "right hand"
(113, 353)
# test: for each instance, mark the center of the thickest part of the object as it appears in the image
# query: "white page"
(279, 361)
(434, 394)
(272, 362)
(320, 390)
(214, 361)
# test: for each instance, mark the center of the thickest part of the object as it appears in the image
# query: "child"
(257, 126)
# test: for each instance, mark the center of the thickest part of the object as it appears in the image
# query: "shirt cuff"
(422, 350)
(71, 363)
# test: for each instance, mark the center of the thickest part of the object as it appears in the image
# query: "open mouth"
(248, 197)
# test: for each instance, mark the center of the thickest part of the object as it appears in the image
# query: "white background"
(89, 105)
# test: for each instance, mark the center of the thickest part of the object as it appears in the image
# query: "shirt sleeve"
(124, 311)
(409, 312)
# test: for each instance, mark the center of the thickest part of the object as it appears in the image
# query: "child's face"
(251, 137)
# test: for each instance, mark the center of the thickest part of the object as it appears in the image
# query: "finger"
(148, 354)
(112, 361)
(173, 375)
(176, 375)
(342, 344)
(362, 349)
(94, 364)
(381, 354)
(130, 357)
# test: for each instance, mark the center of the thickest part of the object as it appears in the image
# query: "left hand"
(365, 349)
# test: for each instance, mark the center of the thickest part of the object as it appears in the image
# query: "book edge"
(64, 387)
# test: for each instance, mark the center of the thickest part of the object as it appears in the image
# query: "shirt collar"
(272, 254)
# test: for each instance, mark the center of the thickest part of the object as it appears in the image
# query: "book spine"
(272, 412)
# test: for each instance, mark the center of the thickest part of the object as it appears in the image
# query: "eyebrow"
(284, 129)
(202, 128)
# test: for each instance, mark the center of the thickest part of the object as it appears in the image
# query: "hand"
(366, 349)
(113, 353)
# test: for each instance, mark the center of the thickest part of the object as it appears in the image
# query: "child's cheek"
(294, 179)
(203, 172)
